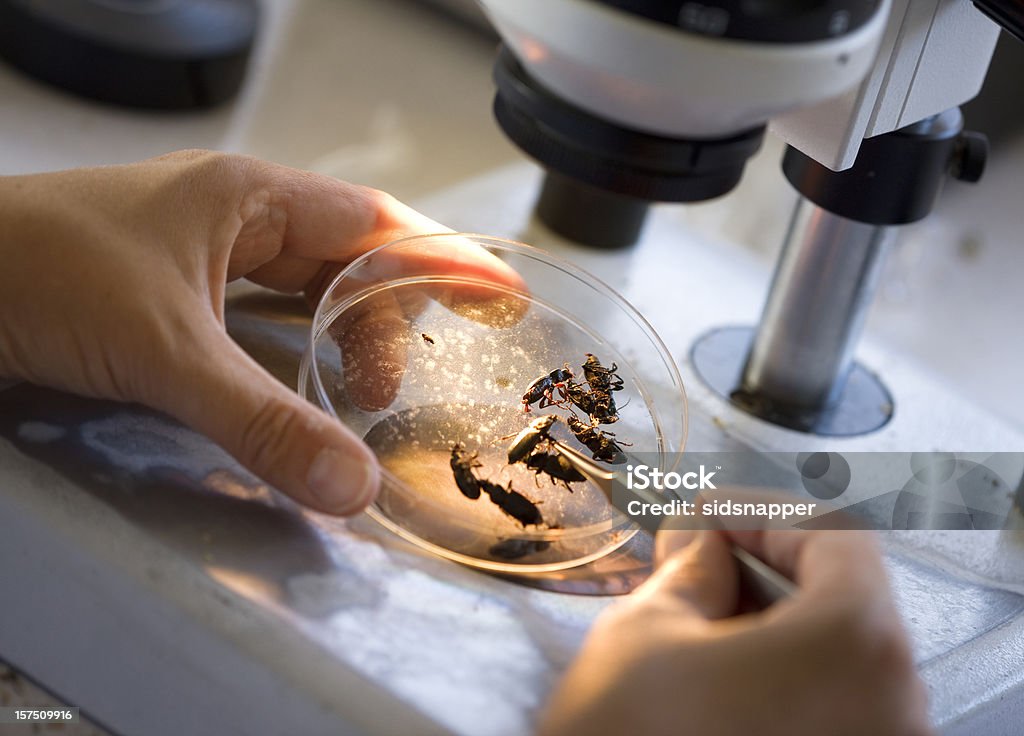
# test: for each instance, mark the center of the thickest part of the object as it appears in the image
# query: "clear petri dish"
(431, 341)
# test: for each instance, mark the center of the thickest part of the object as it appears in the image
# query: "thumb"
(695, 568)
(271, 430)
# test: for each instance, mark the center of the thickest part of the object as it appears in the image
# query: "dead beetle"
(602, 381)
(556, 466)
(599, 377)
(598, 405)
(513, 549)
(527, 440)
(513, 503)
(580, 397)
(598, 442)
(463, 462)
(543, 389)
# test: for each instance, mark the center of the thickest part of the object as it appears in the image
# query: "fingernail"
(341, 482)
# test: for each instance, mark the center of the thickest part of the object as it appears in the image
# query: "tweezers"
(763, 583)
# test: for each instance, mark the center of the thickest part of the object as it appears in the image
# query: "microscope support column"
(819, 299)
(797, 369)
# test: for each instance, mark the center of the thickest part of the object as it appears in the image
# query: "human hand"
(675, 658)
(112, 285)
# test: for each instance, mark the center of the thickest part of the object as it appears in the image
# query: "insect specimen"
(598, 442)
(600, 378)
(598, 403)
(463, 462)
(509, 500)
(528, 439)
(543, 389)
(525, 448)
(513, 503)
(513, 549)
(557, 466)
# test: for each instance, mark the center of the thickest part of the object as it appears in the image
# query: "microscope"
(628, 102)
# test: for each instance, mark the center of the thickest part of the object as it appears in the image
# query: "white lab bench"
(150, 580)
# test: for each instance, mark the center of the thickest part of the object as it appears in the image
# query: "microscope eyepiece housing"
(628, 102)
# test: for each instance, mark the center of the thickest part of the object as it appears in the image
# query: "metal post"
(803, 348)
(797, 368)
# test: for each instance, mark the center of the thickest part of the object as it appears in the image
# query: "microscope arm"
(933, 57)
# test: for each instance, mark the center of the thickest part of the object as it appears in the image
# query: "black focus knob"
(970, 157)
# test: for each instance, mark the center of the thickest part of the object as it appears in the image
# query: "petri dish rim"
(323, 315)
